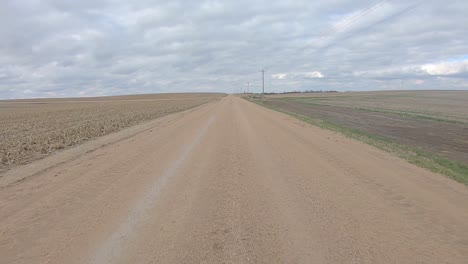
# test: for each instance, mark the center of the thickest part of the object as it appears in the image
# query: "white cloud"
(279, 76)
(449, 68)
(314, 74)
(298, 75)
(89, 47)
(446, 68)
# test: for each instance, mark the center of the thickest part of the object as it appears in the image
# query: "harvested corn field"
(32, 129)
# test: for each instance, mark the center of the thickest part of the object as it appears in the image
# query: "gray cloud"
(54, 48)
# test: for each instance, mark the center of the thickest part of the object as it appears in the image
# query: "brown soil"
(32, 129)
(444, 138)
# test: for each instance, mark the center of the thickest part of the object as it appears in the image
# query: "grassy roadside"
(435, 163)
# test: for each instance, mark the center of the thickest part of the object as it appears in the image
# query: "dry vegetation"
(428, 128)
(444, 105)
(31, 129)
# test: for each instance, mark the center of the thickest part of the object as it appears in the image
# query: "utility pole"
(248, 87)
(263, 81)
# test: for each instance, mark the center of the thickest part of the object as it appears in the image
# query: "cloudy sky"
(62, 48)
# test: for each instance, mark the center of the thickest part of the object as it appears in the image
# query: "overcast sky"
(63, 48)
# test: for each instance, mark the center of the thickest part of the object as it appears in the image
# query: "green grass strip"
(435, 163)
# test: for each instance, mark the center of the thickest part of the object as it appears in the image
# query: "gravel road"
(230, 182)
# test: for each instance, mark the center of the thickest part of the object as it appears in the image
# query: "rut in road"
(234, 182)
(114, 245)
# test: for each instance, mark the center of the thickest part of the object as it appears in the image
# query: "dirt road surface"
(231, 182)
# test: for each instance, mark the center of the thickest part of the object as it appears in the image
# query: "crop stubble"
(32, 129)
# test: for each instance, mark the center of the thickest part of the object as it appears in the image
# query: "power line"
(401, 12)
(263, 81)
(351, 20)
(390, 17)
(354, 18)
(367, 11)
